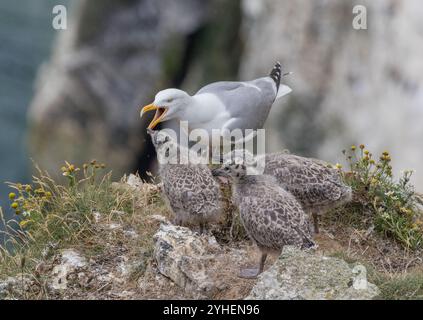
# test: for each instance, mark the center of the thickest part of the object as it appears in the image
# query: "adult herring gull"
(221, 105)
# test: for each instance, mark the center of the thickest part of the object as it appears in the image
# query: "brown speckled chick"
(192, 192)
(315, 184)
(271, 216)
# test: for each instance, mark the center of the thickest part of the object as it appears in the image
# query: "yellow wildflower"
(12, 196)
(14, 205)
(23, 223)
(405, 210)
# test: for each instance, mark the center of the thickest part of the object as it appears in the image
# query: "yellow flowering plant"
(392, 202)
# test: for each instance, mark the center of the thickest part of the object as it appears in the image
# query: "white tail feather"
(283, 91)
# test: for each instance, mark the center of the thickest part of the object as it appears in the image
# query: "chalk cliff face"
(350, 86)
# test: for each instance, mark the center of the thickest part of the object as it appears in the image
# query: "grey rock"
(301, 275)
(196, 263)
(71, 261)
(7, 286)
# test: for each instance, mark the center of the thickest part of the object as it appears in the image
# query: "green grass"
(52, 213)
(399, 287)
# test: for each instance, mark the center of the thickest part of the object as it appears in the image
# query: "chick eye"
(227, 168)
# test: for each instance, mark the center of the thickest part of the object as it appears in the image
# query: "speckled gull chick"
(221, 105)
(315, 183)
(271, 215)
(192, 192)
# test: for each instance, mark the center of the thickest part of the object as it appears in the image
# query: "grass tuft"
(53, 215)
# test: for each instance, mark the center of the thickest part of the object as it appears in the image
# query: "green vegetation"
(390, 203)
(52, 215)
(400, 286)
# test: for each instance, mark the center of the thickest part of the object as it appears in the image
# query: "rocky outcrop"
(186, 265)
(300, 275)
(203, 269)
(196, 263)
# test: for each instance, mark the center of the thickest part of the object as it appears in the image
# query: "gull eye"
(169, 100)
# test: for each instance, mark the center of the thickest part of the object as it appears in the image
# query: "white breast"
(206, 112)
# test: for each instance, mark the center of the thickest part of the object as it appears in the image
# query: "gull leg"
(252, 273)
(202, 228)
(176, 221)
(315, 222)
(262, 261)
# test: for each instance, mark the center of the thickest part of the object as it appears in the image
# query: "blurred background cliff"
(75, 94)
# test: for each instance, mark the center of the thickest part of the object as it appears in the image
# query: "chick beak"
(221, 175)
(158, 116)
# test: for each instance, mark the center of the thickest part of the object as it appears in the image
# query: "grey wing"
(248, 103)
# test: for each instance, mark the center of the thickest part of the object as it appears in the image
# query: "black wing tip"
(276, 74)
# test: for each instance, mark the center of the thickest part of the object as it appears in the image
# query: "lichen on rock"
(305, 275)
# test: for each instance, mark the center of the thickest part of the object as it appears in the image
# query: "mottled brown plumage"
(271, 216)
(316, 184)
(193, 194)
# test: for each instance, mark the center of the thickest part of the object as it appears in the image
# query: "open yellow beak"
(160, 113)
